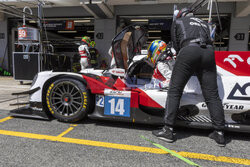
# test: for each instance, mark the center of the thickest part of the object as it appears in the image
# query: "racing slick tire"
(68, 100)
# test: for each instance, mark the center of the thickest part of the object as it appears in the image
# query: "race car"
(126, 92)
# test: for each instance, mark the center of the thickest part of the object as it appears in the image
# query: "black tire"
(68, 100)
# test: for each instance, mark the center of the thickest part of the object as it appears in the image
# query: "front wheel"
(68, 100)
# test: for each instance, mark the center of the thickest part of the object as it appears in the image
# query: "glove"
(164, 84)
(170, 50)
(167, 55)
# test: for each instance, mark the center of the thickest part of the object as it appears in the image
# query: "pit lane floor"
(27, 142)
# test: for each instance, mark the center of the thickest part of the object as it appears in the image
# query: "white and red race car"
(126, 93)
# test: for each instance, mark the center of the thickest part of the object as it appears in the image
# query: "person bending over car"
(191, 39)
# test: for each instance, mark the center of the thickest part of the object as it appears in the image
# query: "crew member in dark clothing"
(191, 39)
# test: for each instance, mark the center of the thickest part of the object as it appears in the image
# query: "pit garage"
(66, 23)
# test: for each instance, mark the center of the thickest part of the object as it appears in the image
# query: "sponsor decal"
(196, 19)
(116, 92)
(85, 101)
(231, 59)
(37, 109)
(235, 62)
(232, 126)
(119, 93)
(227, 106)
(118, 72)
(199, 22)
(47, 98)
(241, 90)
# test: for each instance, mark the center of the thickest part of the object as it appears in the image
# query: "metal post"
(26, 7)
(210, 8)
(40, 26)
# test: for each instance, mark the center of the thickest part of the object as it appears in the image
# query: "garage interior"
(107, 17)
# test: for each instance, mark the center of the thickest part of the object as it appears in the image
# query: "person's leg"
(207, 76)
(183, 70)
(84, 62)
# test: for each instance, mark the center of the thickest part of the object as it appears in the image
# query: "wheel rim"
(66, 99)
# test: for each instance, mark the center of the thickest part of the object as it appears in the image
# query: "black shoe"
(218, 136)
(166, 134)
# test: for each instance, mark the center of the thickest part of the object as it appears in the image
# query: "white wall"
(239, 25)
(108, 28)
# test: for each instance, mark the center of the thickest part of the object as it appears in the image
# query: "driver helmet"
(86, 40)
(155, 50)
(184, 12)
(92, 44)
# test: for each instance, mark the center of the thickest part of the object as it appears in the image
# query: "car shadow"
(181, 132)
(124, 125)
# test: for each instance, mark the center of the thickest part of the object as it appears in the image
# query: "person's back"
(186, 29)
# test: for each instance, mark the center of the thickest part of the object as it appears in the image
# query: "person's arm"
(87, 50)
(173, 36)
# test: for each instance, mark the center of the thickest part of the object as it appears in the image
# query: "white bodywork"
(192, 93)
(46, 75)
(41, 79)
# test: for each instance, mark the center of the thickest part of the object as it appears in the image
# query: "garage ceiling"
(137, 2)
(58, 3)
(242, 6)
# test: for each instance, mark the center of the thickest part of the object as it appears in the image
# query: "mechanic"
(191, 39)
(94, 55)
(161, 56)
(84, 52)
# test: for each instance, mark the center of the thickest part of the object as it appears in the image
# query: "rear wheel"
(68, 100)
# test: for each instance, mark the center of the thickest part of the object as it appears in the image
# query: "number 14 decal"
(118, 107)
